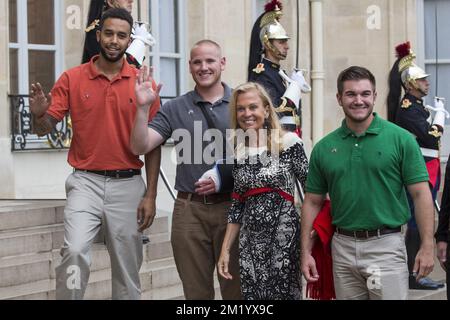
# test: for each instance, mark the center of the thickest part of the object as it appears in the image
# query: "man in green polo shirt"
(364, 166)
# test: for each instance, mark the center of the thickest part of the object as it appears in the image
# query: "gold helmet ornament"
(408, 70)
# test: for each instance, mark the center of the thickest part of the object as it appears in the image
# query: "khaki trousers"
(372, 269)
(94, 201)
(197, 235)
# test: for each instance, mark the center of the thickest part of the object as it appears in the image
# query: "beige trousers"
(197, 235)
(372, 269)
(94, 201)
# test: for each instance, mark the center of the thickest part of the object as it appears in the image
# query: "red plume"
(403, 49)
(271, 6)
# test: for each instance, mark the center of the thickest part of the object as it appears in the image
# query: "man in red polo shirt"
(106, 187)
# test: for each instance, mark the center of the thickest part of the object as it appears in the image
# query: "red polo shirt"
(102, 113)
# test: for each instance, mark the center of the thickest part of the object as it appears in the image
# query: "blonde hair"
(274, 131)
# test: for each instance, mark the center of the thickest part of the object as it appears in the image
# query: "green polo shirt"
(365, 175)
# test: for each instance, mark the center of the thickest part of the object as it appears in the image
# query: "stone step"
(46, 238)
(14, 223)
(159, 277)
(40, 266)
(167, 293)
(22, 214)
(25, 269)
(26, 214)
(173, 293)
(31, 240)
(156, 277)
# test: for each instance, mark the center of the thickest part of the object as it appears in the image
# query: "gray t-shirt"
(182, 120)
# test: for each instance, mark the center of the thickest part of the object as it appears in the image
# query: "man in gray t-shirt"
(199, 222)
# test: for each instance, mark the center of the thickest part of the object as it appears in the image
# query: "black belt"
(211, 199)
(365, 234)
(128, 173)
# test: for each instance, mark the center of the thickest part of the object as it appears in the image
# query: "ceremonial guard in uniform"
(412, 114)
(140, 35)
(268, 47)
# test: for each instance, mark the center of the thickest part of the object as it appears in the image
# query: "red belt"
(256, 191)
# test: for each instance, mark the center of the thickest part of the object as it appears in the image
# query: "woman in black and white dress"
(267, 162)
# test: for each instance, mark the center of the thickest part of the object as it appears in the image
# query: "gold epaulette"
(435, 132)
(406, 103)
(259, 68)
(92, 26)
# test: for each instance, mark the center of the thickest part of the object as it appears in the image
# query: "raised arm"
(144, 139)
(43, 124)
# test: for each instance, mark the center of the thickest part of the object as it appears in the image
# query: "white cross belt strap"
(430, 153)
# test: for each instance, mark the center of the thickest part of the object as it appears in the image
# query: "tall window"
(35, 55)
(167, 18)
(437, 46)
(437, 56)
(34, 43)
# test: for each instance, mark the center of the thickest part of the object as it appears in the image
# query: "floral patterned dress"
(269, 241)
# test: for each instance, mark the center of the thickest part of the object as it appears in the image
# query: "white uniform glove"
(141, 33)
(298, 77)
(141, 38)
(297, 85)
(441, 113)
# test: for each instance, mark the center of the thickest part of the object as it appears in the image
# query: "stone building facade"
(327, 36)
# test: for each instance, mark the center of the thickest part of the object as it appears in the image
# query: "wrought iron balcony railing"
(22, 136)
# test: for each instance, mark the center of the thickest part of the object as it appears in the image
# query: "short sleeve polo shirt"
(102, 114)
(366, 175)
(183, 120)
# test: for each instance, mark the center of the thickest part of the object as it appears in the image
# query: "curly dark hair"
(116, 13)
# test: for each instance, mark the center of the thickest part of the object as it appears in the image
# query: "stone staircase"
(31, 234)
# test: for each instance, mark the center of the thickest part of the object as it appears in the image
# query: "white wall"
(40, 175)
